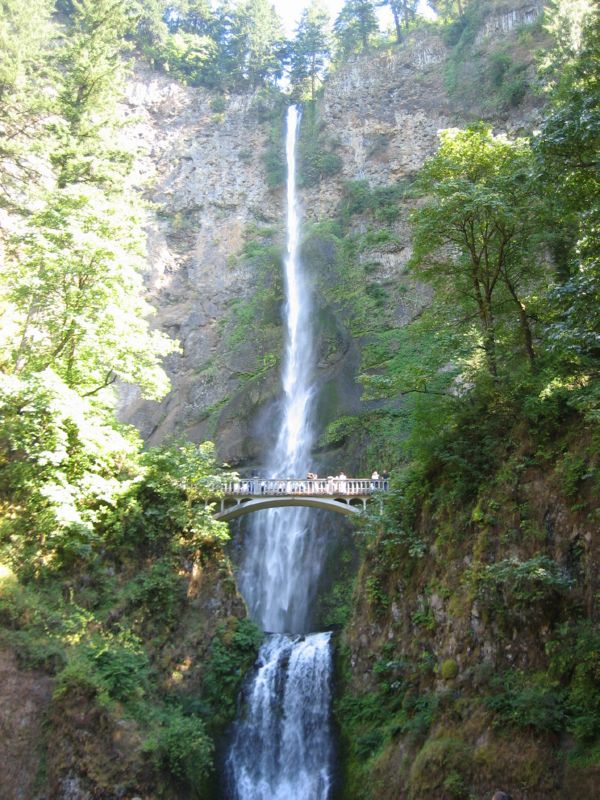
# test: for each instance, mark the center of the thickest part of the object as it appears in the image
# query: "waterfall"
(281, 745)
(288, 713)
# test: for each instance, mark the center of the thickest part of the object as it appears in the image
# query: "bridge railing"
(347, 487)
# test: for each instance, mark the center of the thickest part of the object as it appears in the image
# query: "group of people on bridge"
(312, 485)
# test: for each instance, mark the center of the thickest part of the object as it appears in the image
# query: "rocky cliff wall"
(203, 168)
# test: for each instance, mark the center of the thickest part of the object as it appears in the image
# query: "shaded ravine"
(281, 745)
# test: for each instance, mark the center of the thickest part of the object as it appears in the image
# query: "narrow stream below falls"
(281, 747)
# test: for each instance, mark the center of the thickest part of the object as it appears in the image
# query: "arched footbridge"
(343, 495)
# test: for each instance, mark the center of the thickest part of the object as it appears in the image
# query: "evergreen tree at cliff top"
(25, 42)
(355, 25)
(311, 48)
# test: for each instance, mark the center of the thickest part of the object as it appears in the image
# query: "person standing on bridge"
(374, 480)
(342, 482)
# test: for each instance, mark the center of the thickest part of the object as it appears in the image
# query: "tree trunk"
(397, 25)
(523, 323)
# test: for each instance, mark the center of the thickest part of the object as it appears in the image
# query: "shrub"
(519, 584)
(441, 768)
(527, 702)
(232, 653)
(449, 669)
(180, 743)
(575, 660)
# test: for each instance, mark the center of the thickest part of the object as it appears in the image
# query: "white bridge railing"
(336, 487)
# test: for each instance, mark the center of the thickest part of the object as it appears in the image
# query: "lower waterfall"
(281, 746)
(287, 702)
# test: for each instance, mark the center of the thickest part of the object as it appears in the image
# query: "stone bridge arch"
(346, 506)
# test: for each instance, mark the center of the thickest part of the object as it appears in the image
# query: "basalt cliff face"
(204, 166)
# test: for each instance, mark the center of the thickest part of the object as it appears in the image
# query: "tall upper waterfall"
(282, 745)
(283, 553)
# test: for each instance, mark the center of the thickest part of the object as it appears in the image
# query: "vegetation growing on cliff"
(476, 596)
(105, 549)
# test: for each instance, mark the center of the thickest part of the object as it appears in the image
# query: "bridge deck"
(294, 487)
(342, 495)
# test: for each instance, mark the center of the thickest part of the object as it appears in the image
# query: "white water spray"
(281, 747)
(283, 553)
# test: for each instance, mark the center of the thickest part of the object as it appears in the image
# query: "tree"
(253, 43)
(72, 288)
(25, 46)
(311, 50)
(402, 11)
(355, 25)
(76, 289)
(474, 236)
(567, 150)
(92, 76)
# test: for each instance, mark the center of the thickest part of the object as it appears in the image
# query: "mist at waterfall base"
(281, 745)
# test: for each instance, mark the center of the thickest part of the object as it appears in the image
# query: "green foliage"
(519, 585)
(317, 158)
(484, 78)
(442, 765)
(113, 668)
(566, 150)
(61, 460)
(574, 660)
(167, 509)
(72, 287)
(234, 47)
(474, 237)
(382, 201)
(449, 669)
(76, 290)
(158, 591)
(25, 70)
(310, 50)
(527, 703)
(259, 311)
(181, 744)
(233, 651)
(354, 26)
(273, 157)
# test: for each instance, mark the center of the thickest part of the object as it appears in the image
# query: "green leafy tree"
(474, 235)
(311, 48)
(355, 25)
(72, 288)
(75, 287)
(59, 459)
(567, 150)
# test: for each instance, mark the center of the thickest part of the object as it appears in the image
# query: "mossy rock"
(449, 669)
(442, 767)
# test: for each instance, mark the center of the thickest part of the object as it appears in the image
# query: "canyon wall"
(203, 167)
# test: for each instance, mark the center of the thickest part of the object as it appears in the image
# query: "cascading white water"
(281, 747)
(287, 716)
(283, 553)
